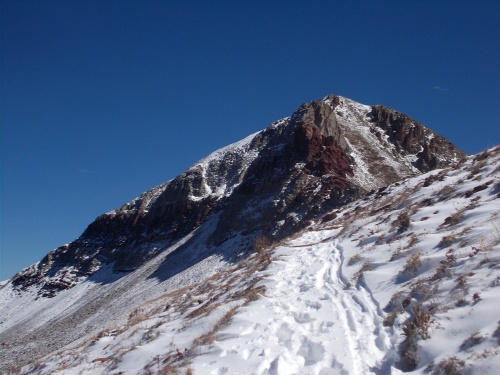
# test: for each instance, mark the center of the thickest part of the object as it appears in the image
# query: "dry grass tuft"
(391, 318)
(262, 243)
(413, 264)
(447, 241)
(413, 240)
(447, 366)
(354, 259)
(366, 266)
(454, 218)
(415, 328)
(209, 337)
(474, 338)
(402, 222)
(447, 192)
(444, 267)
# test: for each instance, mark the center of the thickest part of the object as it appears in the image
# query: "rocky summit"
(260, 190)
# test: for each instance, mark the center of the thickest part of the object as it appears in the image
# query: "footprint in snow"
(302, 318)
(313, 305)
(304, 287)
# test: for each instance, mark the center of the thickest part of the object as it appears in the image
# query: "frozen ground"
(405, 280)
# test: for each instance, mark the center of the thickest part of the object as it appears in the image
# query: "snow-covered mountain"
(320, 245)
(327, 153)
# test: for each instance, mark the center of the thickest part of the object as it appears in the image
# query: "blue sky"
(103, 100)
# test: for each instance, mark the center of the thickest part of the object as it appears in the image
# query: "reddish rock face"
(322, 153)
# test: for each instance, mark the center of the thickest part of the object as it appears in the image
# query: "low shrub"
(415, 328)
(454, 218)
(402, 222)
(366, 266)
(474, 339)
(413, 264)
(354, 259)
(448, 366)
(447, 241)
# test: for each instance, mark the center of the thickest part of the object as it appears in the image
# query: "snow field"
(405, 280)
(308, 323)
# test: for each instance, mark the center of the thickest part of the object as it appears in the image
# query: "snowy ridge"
(404, 280)
(207, 167)
(217, 182)
(239, 153)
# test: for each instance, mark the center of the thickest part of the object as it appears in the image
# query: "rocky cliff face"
(432, 151)
(327, 153)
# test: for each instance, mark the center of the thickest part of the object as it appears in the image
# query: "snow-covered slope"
(405, 280)
(186, 255)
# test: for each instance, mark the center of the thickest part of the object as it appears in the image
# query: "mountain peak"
(325, 154)
(265, 188)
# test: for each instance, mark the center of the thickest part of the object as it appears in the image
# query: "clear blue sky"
(101, 100)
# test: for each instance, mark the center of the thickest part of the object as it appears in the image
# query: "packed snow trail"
(309, 322)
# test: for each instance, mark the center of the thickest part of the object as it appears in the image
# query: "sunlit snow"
(337, 299)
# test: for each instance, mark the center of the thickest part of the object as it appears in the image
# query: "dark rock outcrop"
(432, 150)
